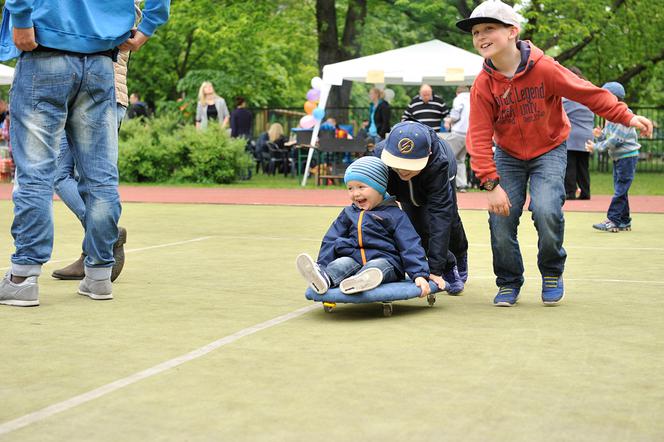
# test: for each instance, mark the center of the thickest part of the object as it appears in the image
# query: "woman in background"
(210, 107)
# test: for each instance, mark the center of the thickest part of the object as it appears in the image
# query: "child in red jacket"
(516, 104)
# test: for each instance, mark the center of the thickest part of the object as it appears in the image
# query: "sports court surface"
(209, 337)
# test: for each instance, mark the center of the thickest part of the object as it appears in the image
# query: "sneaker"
(118, 253)
(97, 290)
(454, 282)
(462, 267)
(75, 270)
(553, 290)
(25, 294)
(312, 273)
(506, 296)
(365, 280)
(606, 226)
(624, 227)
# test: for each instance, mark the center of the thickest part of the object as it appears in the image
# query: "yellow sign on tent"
(375, 77)
(454, 74)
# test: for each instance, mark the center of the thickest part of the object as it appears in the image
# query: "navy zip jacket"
(428, 201)
(383, 232)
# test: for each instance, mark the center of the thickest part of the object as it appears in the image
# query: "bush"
(161, 150)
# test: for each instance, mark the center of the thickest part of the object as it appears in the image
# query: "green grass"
(590, 369)
(601, 183)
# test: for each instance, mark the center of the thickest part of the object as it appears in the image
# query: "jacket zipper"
(359, 238)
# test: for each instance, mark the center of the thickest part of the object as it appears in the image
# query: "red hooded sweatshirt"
(524, 114)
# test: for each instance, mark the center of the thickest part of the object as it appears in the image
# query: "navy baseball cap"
(408, 146)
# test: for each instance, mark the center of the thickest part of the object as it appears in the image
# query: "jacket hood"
(530, 55)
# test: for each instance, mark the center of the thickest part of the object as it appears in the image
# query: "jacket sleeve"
(339, 228)
(155, 14)
(199, 112)
(457, 108)
(479, 139)
(613, 136)
(600, 101)
(440, 210)
(21, 13)
(410, 247)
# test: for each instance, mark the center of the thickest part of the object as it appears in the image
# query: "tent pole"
(324, 93)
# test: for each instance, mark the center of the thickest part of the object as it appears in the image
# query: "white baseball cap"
(491, 11)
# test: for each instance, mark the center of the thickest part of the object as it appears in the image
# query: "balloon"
(313, 95)
(389, 94)
(316, 83)
(309, 107)
(319, 113)
(307, 122)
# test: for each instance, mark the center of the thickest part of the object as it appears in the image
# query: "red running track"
(326, 197)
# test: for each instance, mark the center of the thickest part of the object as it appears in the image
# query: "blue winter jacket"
(428, 200)
(87, 27)
(383, 232)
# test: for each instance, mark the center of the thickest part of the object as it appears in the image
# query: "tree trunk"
(332, 50)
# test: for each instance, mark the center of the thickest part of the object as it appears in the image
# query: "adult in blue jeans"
(63, 84)
(66, 178)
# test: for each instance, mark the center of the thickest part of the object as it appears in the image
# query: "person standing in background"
(426, 108)
(582, 120)
(457, 124)
(210, 107)
(379, 115)
(241, 119)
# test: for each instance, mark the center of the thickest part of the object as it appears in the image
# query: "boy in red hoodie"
(516, 104)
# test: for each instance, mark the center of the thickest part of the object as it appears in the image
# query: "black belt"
(112, 53)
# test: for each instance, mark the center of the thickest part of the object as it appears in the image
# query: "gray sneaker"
(98, 290)
(25, 294)
(365, 280)
(312, 273)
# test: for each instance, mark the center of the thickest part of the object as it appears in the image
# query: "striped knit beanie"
(370, 171)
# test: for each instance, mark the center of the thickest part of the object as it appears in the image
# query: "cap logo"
(406, 145)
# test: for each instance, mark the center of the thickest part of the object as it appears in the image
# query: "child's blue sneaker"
(462, 266)
(454, 282)
(553, 290)
(506, 296)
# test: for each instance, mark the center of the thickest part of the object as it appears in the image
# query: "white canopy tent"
(433, 62)
(6, 74)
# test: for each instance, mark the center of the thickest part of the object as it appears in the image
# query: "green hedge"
(161, 149)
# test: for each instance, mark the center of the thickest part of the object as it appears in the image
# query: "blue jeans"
(623, 175)
(544, 176)
(55, 94)
(67, 178)
(342, 268)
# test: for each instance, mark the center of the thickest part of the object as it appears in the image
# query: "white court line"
(158, 246)
(75, 401)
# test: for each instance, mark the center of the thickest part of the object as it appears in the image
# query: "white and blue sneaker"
(553, 290)
(312, 273)
(506, 296)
